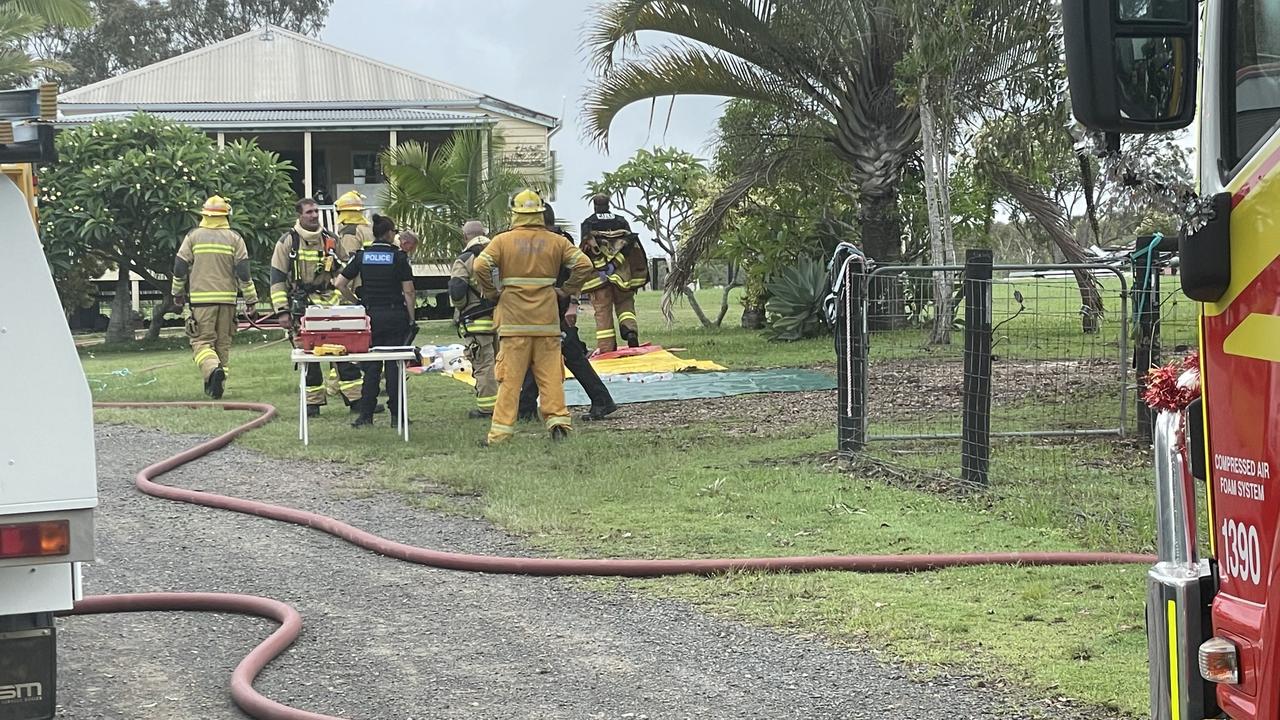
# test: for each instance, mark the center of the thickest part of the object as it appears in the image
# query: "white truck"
(48, 476)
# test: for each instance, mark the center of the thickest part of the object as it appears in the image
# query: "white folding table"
(397, 355)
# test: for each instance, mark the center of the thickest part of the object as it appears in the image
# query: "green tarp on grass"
(650, 387)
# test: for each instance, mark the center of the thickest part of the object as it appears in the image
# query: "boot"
(313, 411)
(599, 412)
(362, 420)
(214, 385)
(559, 434)
(474, 414)
(632, 337)
(354, 407)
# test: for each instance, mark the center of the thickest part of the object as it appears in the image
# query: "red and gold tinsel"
(1174, 386)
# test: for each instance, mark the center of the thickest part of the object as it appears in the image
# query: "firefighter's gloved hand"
(571, 315)
(251, 311)
(178, 302)
(286, 321)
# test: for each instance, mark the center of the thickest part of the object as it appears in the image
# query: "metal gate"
(1018, 352)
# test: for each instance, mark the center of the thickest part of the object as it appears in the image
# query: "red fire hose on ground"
(256, 705)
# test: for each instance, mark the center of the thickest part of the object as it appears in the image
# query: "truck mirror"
(1131, 63)
(1204, 256)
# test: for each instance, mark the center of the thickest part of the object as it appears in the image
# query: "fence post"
(1146, 347)
(851, 358)
(975, 447)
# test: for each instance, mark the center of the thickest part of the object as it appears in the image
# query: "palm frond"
(680, 70)
(435, 190)
(69, 13)
(706, 228)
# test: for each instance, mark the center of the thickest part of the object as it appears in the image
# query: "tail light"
(1219, 661)
(37, 539)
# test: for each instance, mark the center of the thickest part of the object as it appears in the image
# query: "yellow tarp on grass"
(658, 361)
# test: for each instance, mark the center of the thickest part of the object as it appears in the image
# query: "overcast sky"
(525, 53)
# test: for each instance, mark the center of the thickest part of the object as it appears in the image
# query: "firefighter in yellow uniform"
(303, 267)
(212, 265)
(354, 229)
(474, 318)
(528, 258)
(621, 267)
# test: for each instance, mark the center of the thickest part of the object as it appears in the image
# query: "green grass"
(701, 492)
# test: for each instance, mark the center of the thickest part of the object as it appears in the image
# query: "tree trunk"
(120, 329)
(881, 229)
(697, 309)
(157, 317)
(881, 226)
(730, 282)
(753, 299)
(935, 146)
(1051, 217)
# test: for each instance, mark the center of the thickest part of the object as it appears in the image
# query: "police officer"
(387, 281)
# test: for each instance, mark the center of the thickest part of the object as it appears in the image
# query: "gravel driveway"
(384, 639)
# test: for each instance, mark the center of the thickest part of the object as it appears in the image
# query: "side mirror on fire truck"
(26, 130)
(1131, 64)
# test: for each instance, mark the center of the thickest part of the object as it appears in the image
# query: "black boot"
(354, 407)
(214, 385)
(599, 412)
(362, 420)
(474, 414)
(559, 434)
(632, 338)
(313, 411)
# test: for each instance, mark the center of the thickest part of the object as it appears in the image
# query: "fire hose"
(258, 706)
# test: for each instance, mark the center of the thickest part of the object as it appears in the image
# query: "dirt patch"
(904, 388)
(897, 390)
(758, 415)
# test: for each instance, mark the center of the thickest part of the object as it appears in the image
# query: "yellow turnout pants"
(604, 301)
(210, 329)
(516, 355)
(481, 352)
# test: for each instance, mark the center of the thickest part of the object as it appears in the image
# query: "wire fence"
(1003, 369)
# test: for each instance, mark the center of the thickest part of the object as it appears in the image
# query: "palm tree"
(434, 191)
(832, 59)
(20, 20)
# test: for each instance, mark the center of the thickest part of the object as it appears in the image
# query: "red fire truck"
(1213, 630)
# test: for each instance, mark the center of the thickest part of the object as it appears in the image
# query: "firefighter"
(474, 318)
(572, 350)
(303, 267)
(387, 279)
(211, 266)
(621, 268)
(353, 227)
(528, 258)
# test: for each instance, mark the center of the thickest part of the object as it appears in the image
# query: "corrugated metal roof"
(267, 65)
(267, 119)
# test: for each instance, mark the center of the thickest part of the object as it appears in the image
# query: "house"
(328, 111)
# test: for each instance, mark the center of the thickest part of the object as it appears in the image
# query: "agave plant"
(795, 300)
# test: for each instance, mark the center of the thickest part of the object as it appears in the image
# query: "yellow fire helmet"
(527, 202)
(216, 206)
(350, 200)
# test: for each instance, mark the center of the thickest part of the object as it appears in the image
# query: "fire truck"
(1147, 66)
(48, 476)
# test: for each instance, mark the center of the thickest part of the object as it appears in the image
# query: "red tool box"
(345, 325)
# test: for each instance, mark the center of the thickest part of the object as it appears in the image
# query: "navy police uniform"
(382, 269)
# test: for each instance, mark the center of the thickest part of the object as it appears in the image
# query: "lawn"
(711, 489)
